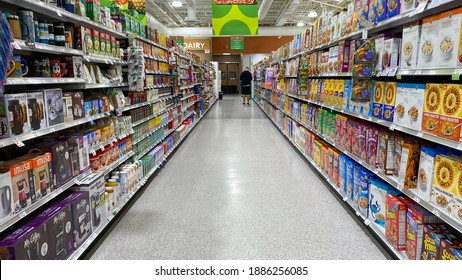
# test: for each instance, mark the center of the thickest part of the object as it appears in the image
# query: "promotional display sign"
(240, 18)
(237, 43)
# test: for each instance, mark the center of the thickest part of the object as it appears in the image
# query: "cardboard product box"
(6, 192)
(402, 98)
(68, 108)
(378, 191)
(98, 204)
(342, 160)
(77, 104)
(450, 250)
(408, 5)
(377, 99)
(386, 150)
(58, 222)
(16, 117)
(80, 142)
(382, 10)
(431, 243)
(395, 222)
(429, 40)
(389, 101)
(335, 166)
(28, 242)
(394, 8)
(451, 112)
(391, 53)
(22, 183)
(425, 173)
(414, 105)
(350, 183)
(354, 137)
(362, 186)
(54, 106)
(62, 167)
(356, 15)
(373, 16)
(449, 46)
(364, 14)
(414, 237)
(410, 45)
(372, 145)
(42, 169)
(36, 110)
(408, 169)
(92, 8)
(432, 108)
(77, 67)
(81, 216)
(457, 204)
(379, 49)
(348, 137)
(445, 182)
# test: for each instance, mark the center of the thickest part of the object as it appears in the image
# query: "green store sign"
(234, 19)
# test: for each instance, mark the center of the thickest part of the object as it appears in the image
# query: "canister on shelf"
(59, 35)
(43, 31)
(26, 21)
(51, 34)
(15, 26)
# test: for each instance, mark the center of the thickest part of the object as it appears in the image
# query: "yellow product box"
(432, 108)
(378, 98)
(389, 101)
(451, 112)
(317, 146)
(457, 204)
(445, 180)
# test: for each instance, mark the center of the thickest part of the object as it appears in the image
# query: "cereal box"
(415, 94)
(428, 57)
(414, 230)
(344, 55)
(444, 181)
(448, 49)
(431, 243)
(378, 98)
(356, 15)
(457, 206)
(451, 112)
(399, 142)
(394, 8)
(391, 50)
(372, 145)
(382, 10)
(395, 223)
(357, 178)
(408, 5)
(335, 166)
(363, 191)
(349, 179)
(425, 173)
(408, 169)
(362, 140)
(372, 16)
(410, 45)
(432, 108)
(378, 191)
(450, 250)
(389, 101)
(342, 160)
(364, 14)
(386, 150)
(402, 98)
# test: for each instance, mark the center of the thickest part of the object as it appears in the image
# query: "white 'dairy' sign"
(197, 44)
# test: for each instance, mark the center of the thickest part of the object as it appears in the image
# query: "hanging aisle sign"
(236, 17)
(237, 43)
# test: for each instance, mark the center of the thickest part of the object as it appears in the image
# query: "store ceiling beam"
(288, 12)
(329, 5)
(264, 8)
(164, 13)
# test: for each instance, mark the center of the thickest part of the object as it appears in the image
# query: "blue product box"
(394, 8)
(95, 107)
(88, 107)
(363, 186)
(382, 10)
(342, 159)
(373, 16)
(349, 179)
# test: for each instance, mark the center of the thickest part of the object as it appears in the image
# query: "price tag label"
(23, 214)
(345, 198)
(102, 148)
(77, 182)
(392, 127)
(87, 59)
(419, 134)
(364, 34)
(398, 76)
(93, 152)
(385, 72)
(16, 45)
(59, 13)
(357, 213)
(459, 147)
(417, 199)
(418, 72)
(18, 142)
(420, 8)
(456, 74)
(436, 212)
(392, 72)
(367, 222)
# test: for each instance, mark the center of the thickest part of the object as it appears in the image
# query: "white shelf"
(155, 58)
(63, 15)
(95, 235)
(149, 42)
(48, 130)
(186, 97)
(100, 86)
(30, 209)
(148, 118)
(104, 60)
(156, 87)
(100, 146)
(156, 72)
(389, 179)
(41, 81)
(186, 87)
(20, 45)
(138, 105)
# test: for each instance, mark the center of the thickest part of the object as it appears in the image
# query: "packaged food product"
(378, 98)
(425, 173)
(386, 150)
(391, 53)
(377, 200)
(448, 48)
(445, 182)
(451, 112)
(408, 170)
(431, 243)
(394, 8)
(432, 108)
(428, 57)
(372, 145)
(382, 10)
(395, 223)
(414, 237)
(410, 45)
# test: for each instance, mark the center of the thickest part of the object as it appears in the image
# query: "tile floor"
(236, 189)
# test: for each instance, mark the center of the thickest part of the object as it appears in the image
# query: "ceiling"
(280, 12)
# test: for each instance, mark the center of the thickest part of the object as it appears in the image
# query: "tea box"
(410, 45)
(432, 108)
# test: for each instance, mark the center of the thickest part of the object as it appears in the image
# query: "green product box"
(102, 43)
(93, 10)
(96, 42)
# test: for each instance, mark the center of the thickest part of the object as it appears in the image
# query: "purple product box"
(61, 162)
(28, 242)
(58, 222)
(372, 145)
(81, 216)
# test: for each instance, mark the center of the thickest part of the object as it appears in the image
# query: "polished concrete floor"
(236, 189)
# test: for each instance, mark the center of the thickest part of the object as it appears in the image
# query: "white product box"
(410, 45)
(6, 193)
(409, 106)
(54, 106)
(17, 114)
(449, 43)
(67, 108)
(408, 5)
(98, 206)
(36, 110)
(425, 173)
(429, 40)
(390, 56)
(379, 48)
(402, 98)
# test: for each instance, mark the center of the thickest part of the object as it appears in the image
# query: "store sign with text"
(197, 44)
(235, 17)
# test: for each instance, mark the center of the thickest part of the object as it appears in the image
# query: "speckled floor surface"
(237, 190)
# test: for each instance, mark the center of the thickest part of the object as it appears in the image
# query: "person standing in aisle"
(246, 81)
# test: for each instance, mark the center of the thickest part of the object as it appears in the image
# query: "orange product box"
(22, 181)
(335, 165)
(43, 175)
(395, 222)
(432, 108)
(409, 165)
(451, 112)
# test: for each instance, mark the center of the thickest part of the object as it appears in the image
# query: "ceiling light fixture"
(300, 24)
(312, 14)
(177, 4)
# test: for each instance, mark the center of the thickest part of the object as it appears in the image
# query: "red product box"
(414, 237)
(395, 222)
(372, 143)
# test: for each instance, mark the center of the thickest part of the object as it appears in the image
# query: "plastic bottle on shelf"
(112, 183)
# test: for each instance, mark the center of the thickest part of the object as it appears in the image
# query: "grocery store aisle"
(237, 190)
